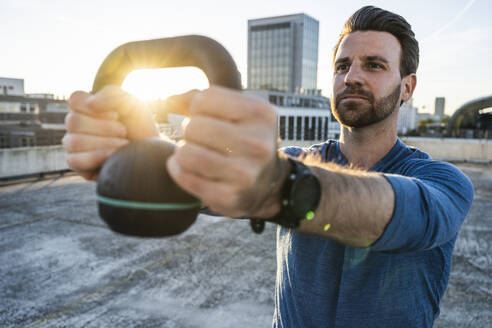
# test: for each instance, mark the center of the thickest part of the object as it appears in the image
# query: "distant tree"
(422, 126)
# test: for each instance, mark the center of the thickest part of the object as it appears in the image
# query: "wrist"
(299, 197)
(271, 202)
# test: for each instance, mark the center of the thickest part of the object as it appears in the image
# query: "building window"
(299, 128)
(306, 128)
(282, 127)
(313, 128)
(325, 136)
(320, 125)
(291, 128)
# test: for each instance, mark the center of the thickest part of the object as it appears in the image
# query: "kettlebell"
(135, 193)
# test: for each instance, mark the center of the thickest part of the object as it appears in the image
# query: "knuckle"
(258, 148)
(232, 199)
(266, 111)
(69, 143)
(96, 158)
(76, 97)
(245, 176)
(66, 142)
(206, 164)
(70, 159)
(191, 128)
(72, 122)
(181, 155)
(191, 184)
(68, 117)
(114, 129)
(210, 92)
(197, 101)
(74, 143)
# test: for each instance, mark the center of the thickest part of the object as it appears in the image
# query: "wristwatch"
(301, 193)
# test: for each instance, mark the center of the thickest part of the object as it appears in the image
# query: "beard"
(356, 115)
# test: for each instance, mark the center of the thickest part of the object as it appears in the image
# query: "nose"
(354, 75)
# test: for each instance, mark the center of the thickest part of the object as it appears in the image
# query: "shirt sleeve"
(431, 203)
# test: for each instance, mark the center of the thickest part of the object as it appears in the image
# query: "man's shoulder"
(324, 150)
(414, 163)
(413, 158)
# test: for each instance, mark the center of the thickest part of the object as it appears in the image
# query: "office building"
(28, 120)
(283, 53)
(439, 106)
(302, 119)
(11, 87)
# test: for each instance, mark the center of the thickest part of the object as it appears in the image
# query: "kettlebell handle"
(189, 50)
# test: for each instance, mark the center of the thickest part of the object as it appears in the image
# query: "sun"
(153, 84)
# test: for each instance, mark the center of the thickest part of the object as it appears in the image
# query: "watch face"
(305, 194)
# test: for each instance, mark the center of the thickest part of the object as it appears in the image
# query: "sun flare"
(153, 84)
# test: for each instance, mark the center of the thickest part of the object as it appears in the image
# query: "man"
(356, 247)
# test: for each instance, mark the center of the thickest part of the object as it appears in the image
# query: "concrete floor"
(61, 266)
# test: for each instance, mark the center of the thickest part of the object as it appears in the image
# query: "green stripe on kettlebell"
(147, 205)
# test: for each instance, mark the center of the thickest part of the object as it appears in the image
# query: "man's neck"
(364, 147)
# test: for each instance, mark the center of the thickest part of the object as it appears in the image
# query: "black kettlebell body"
(137, 196)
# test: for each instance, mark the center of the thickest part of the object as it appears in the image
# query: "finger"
(179, 104)
(75, 143)
(232, 105)
(88, 161)
(213, 165)
(80, 123)
(219, 195)
(224, 137)
(78, 102)
(89, 175)
(132, 112)
(113, 98)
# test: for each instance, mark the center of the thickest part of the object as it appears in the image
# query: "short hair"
(370, 18)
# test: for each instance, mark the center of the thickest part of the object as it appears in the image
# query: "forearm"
(355, 205)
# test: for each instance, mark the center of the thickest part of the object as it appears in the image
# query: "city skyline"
(57, 47)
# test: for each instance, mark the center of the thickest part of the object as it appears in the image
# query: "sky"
(56, 46)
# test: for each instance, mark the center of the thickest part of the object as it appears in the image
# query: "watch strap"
(285, 217)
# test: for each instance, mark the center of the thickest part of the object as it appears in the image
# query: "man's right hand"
(100, 124)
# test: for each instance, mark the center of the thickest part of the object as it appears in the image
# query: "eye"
(375, 66)
(341, 68)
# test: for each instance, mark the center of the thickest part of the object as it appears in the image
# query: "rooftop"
(62, 267)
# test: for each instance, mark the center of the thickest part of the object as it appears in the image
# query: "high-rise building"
(439, 106)
(283, 53)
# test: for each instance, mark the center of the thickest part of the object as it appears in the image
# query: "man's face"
(366, 78)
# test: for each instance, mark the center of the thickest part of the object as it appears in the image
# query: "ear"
(409, 83)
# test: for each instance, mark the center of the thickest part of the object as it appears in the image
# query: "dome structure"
(471, 116)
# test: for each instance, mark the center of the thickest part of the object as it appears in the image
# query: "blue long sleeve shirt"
(400, 279)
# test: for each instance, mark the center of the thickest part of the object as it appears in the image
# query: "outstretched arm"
(355, 205)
